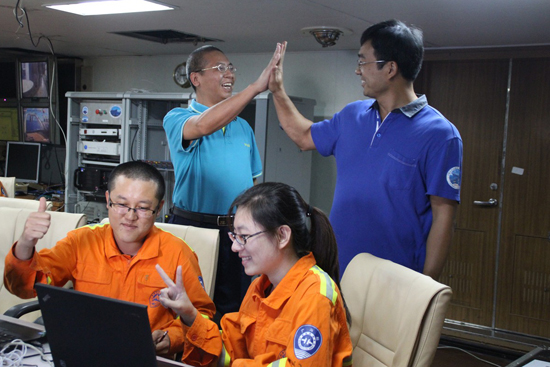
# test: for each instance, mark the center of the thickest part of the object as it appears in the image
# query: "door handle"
(491, 202)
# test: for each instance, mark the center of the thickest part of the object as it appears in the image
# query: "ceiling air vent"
(168, 36)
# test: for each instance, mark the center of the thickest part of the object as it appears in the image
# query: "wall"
(326, 76)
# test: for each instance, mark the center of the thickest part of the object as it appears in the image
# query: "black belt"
(219, 220)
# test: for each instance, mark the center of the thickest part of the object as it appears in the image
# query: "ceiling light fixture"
(110, 7)
(326, 36)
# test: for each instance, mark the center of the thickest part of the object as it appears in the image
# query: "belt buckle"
(224, 220)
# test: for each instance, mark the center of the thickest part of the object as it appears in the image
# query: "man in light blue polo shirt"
(215, 158)
(399, 160)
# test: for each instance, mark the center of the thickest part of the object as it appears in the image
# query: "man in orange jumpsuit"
(115, 260)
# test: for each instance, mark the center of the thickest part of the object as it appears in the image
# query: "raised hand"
(263, 80)
(276, 78)
(175, 297)
(36, 227)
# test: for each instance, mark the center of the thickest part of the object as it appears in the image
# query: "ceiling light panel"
(110, 7)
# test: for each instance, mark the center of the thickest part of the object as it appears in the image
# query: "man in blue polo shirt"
(399, 160)
(215, 158)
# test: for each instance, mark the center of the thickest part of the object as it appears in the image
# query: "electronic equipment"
(8, 80)
(98, 147)
(36, 124)
(91, 179)
(13, 328)
(9, 123)
(99, 132)
(23, 161)
(34, 79)
(100, 112)
(87, 330)
(94, 210)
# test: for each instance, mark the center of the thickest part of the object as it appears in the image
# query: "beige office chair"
(22, 203)
(9, 185)
(12, 224)
(205, 242)
(397, 314)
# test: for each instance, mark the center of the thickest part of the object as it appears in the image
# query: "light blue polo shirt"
(214, 169)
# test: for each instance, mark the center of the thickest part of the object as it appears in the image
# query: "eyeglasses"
(242, 238)
(125, 209)
(222, 68)
(361, 63)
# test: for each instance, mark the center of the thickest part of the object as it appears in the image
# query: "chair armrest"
(23, 308)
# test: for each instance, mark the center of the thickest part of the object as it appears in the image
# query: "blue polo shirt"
(386, 175)
(214, 169)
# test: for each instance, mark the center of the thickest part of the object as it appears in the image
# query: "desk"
(36, 360)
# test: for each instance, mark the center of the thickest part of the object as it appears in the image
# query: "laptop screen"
(87, 330)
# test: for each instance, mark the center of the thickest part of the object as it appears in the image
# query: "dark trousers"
(231, 280)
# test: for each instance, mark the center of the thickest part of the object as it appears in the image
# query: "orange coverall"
(90, 258)
(301, 323)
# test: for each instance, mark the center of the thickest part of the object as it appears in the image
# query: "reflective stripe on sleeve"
(278, 363)
(328, 287)
(347, 361)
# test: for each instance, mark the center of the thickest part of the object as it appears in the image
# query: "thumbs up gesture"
(36, 227)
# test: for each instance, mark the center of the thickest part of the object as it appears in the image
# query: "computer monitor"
(34, 79)
(23, 161)
(36, 125)
(9, 124)
(8, 81)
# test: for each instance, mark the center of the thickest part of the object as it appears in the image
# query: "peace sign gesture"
(175, 297)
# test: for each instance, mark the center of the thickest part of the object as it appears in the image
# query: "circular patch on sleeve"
(307, 341)
(453, 177)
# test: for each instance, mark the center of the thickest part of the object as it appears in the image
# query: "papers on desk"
(537, 363)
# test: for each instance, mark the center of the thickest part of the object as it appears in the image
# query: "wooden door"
(524, 271)
(472, 95)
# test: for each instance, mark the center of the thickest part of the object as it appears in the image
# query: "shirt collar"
(197, 107)
(149, 250)
(411, 109)
(288, 284)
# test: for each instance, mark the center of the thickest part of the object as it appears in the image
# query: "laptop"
(87, 330)
(538, 357)
(12, 328)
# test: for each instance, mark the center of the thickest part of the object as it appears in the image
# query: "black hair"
(392, 40)
(273, 204)
(138, 170)
(195, 60)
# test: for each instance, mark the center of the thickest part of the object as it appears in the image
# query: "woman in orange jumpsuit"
(293, 314)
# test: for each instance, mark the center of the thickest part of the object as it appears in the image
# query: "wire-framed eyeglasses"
(125, 209)
(242, 238)
(361, 63)
(222, 68)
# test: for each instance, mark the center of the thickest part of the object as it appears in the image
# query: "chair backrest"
(205, 242)
(12, 224)
(23, 203)
(9, 185)
(397, 314)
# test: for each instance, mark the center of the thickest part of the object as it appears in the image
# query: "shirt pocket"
(93, 279)
(148, 286)
(398, 171)
(277, 336)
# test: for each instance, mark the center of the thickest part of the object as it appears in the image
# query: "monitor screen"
(8, 80)
(34, 79)
(23, 161)
(36, 125)
(9, 124)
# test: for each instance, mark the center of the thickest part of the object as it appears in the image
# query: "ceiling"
(248, 26)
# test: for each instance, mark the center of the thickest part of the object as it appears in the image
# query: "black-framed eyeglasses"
(125, 209)
(242, 238)
(361, 63)
(222, 68)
